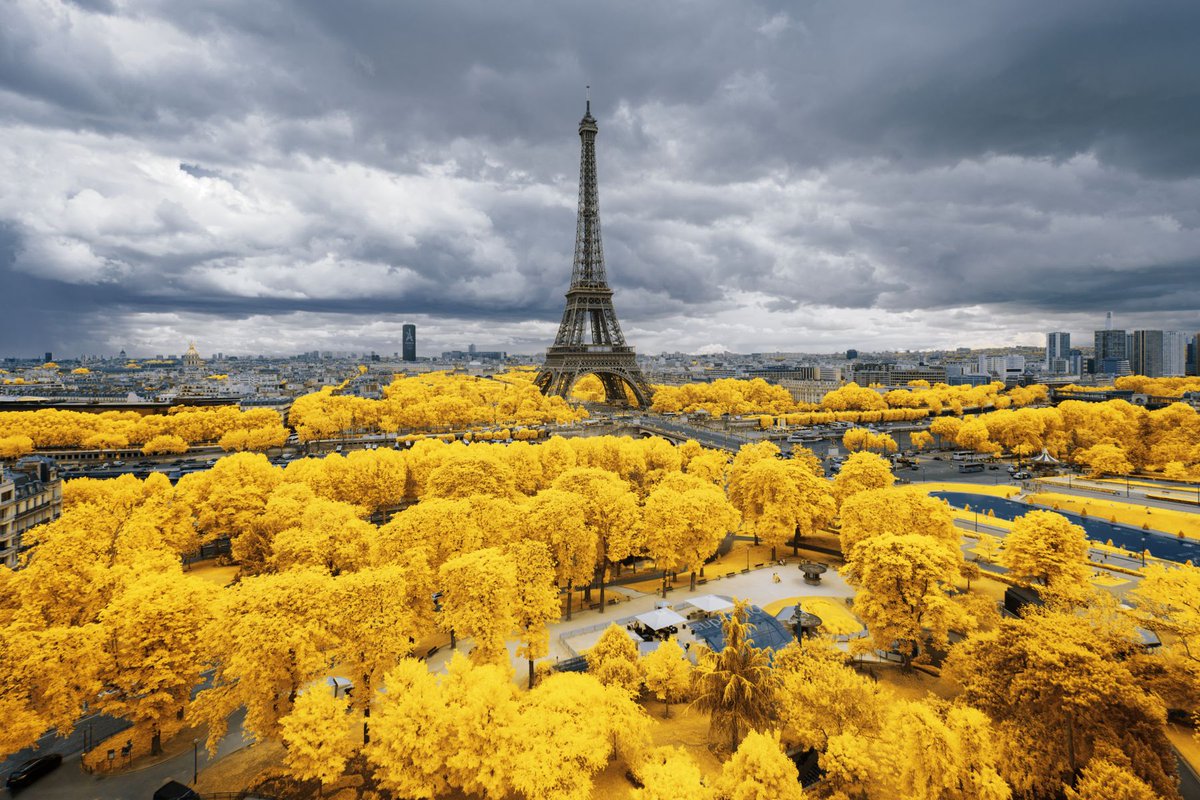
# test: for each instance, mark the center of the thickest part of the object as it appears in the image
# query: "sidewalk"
(570, 637)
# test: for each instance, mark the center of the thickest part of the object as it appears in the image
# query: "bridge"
(1149, 401)
(680, 432)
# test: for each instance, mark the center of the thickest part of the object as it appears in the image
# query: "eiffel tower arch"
(589, 340)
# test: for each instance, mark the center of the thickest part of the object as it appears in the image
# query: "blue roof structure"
(766, 632)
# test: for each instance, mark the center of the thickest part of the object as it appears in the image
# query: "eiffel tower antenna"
(589, 340)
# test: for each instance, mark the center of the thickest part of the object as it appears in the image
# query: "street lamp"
(195, 760)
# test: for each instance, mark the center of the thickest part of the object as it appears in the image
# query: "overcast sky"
(278, 177)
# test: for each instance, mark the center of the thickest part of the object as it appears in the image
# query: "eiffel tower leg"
(614, 387)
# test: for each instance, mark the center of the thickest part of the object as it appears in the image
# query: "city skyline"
(812, 179)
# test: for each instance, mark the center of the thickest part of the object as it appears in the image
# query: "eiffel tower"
(589, 339)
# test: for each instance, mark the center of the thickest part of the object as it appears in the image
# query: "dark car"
(174, 790)
(33, 769)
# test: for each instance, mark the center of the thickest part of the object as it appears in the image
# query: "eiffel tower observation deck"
(589, 340)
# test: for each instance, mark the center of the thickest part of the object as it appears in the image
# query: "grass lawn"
(835, 617)
(991, 489)
(1107, 579)
(241, 769)
(1163, 520)
(222, 576)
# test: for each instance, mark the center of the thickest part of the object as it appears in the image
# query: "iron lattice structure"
(589, 340)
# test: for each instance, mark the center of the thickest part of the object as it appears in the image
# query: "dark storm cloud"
(246, 161)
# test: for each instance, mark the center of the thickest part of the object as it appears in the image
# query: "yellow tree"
(317, 736)
(568, 729)
(410, 745)
(381, 613)
(736, 686)
(1059, 686)
(443, 529)
(253, 549)
(903, 587)
(668, 673)
(610, 511)
(481, 713)
(920, 439)
(330, 535)
(479, 601)
(152, 633)
(268, 638)
(759, 770)
(373, 479)
(49, 673)
(1046, 548)
(1105, 459)
(556, 517)
(472, 474)
(536, 599)
(685, 520)
(1168, 602)
(165, 443)
(1103, 780)
(229, 497)
(862, 472)
(613, 660)
(669, 773)
(821, 697)
(780, 500)
(896, 511)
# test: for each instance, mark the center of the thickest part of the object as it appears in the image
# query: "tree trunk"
(664, 585)
(570, 590)
(366, 724)
(531, 673)
(1071, 742)
(666, 709)
(773, 557)
(453, 641)
(156, 742)
(692, 588)
(603, 571)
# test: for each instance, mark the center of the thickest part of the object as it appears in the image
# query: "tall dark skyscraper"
(1147, 356)
(409, 342)
(589, 339)
(1112, 350)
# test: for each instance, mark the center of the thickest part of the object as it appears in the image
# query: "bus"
(963, 455)
(972, 467)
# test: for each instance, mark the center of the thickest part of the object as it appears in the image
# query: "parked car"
(33, 769)
(1021, 476)
(173, 790)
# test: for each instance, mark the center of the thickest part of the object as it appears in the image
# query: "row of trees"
(1113, 437)
(723, 396)
(936, 398)
(847, 403)
(172, 432)
(1158, 387)
(433, 401)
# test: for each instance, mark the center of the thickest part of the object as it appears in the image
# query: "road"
(70, 782)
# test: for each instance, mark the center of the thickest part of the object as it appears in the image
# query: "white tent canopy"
(660, 618)
(711, 603)
(1044, 458)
